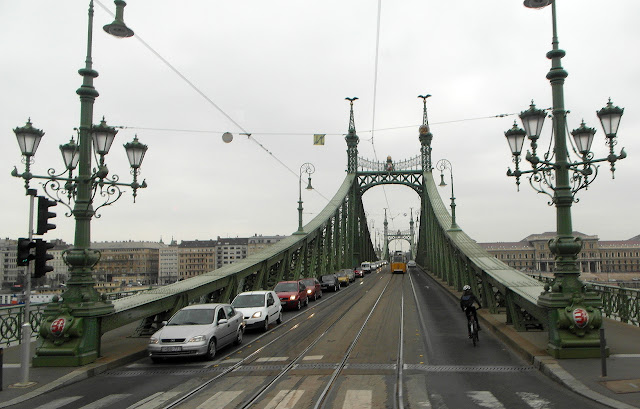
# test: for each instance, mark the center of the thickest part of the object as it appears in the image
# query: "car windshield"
(327, 279)
(248, 300)
(341, 274)
(309, 282)
(286, 287)
(193, 317)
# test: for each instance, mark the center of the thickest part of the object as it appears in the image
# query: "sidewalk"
(620, 389)
(117, 349)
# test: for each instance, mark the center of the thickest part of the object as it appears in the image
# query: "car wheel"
(265, 326)
(279, 320)
(211, 349)
(299, 305)
(238, 340)
(306, 302)
(315, 296)
(320, 294)
(335, 288)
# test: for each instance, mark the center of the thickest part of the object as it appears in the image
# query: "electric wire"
(375, 93)
(209, 100)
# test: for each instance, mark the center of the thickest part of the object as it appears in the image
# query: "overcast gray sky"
(281, 69)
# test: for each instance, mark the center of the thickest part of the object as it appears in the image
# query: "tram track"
(259, 394)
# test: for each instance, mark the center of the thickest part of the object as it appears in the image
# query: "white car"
(197, 330)
(411, 264)
(259, 308)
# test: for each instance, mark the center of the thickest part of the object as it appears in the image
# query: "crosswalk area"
(290, 399)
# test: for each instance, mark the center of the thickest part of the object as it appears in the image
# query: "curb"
(539, 358)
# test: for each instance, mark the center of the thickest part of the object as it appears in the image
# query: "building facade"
(258, 243)
(597, 258)
(128, 262)
(230, 250)
(196, 257)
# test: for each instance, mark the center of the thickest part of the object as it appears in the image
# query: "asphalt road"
(386, 341)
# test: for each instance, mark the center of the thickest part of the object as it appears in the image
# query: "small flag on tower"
(318, 139)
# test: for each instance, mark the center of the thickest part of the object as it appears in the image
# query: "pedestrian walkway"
(619, 389)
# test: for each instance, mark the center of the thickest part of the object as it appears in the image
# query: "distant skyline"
(280, 71)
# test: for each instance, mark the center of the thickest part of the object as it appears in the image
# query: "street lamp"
(441, 165)
(573, 309)
(70, 327)
(307, 168)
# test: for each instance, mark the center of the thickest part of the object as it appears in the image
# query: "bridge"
(338, 237)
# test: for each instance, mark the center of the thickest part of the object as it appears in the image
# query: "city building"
(195, 258)
(9, 271)
(598, 260)
(258, 243)
(230, 250)
(168, 271)
(128, 262)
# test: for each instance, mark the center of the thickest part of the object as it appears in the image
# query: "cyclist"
(466, 304)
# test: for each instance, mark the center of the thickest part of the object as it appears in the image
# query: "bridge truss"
(338, 237)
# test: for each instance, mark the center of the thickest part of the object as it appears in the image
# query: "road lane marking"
(220, 400)
(153, 401)
(485, 399)
(58, 403)
(534, 400)
(106, 402)
(272, 359)
(313, 357)
(358, 399)
(285, 399)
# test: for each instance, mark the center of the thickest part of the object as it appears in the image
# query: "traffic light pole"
(26, 324)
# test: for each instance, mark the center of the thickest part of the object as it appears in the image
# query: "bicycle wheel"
(474, 332)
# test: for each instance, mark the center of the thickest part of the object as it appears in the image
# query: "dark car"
(314, 289)
(292, 294)
(329, 282)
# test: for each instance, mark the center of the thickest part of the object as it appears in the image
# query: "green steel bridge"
(338, 237)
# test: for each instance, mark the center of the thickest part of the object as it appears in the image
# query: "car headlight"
(153, 340)
(257, 314)
(292, 298)
(309, 291)
(198, 338)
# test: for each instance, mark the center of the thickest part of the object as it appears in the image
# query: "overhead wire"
(209, 100)
(375, 93)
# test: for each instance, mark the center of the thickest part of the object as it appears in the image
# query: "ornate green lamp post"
(441, 165)
(70, 328)
(574, 310)
(307, 168)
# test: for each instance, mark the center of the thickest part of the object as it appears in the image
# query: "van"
(366, 267)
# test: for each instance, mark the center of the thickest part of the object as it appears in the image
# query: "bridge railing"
(619, 303)
(326, 245)
(458, 260)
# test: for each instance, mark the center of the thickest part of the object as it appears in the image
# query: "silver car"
(197, 330)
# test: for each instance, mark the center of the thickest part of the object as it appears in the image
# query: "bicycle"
(472, 324)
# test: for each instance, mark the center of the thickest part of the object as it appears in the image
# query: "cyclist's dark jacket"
(467, 301)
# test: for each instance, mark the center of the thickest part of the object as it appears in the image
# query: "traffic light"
(24, 251)
(41, 268)
(44, 215)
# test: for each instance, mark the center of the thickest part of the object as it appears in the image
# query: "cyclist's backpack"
(466, 300)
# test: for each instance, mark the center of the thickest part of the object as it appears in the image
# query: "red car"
(292, 294)
(314, 289)
(359, 272)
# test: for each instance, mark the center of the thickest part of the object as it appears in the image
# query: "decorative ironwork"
(414, 163)
(412, 179)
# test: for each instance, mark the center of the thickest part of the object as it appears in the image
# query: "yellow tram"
(399, 262)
